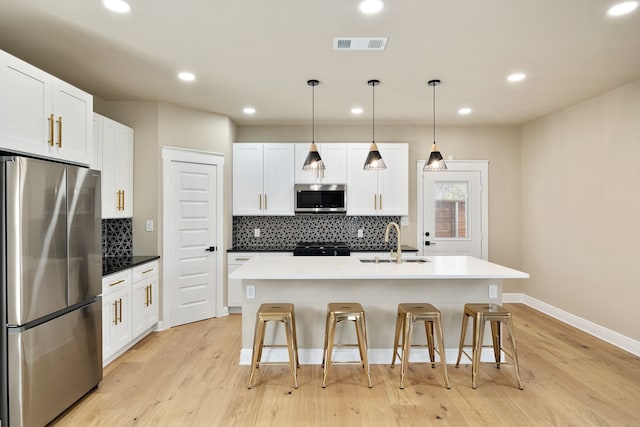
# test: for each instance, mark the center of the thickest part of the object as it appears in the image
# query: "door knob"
(428, 243)
(211, 249)
(427, 234)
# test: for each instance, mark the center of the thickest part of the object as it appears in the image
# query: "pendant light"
(435, 162)
(374, 159)
(313, 161)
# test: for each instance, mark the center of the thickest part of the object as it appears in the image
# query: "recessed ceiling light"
(356, 110)
(186, 76)
(249, 110)
(464, 111)
(371, 6)
(622, 8)
(517, 77)
(118, 6)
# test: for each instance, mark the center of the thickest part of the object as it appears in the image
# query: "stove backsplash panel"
(286, 231)
(117, 237)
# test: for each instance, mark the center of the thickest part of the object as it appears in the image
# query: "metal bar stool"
(279, 313)
(338, 312)
(497, 315)
(408, 314)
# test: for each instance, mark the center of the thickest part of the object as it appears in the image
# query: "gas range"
(321, 249)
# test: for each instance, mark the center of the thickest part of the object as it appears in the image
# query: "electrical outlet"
(493, 291)
(360, 233)
(251, 292)
(256, 232)
(148, 226)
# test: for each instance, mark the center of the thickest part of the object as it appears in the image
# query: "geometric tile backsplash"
(117, 237)
(286, 231)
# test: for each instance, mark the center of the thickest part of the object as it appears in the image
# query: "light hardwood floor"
(189, 376)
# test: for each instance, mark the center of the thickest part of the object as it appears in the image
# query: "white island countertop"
(319, 268)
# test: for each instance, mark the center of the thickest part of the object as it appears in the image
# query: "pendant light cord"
(373, 113)
(313, 114)
(434, 113)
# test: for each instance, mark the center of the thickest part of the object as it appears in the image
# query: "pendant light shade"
(313, 162)
(374, 159)
(435, 161)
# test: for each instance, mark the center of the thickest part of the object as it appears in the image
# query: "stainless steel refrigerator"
(50, 306)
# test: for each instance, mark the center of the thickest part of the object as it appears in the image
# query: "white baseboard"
(313, 356)
(598, 331)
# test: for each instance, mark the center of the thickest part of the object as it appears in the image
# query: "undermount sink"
(387, 261)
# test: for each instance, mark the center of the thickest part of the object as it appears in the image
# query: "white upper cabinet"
(263, 179)
(115, 142)
(334, 157)
(42, 115)
(384, 192)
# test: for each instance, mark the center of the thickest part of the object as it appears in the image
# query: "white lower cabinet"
(116, 313)
(145, 297)
(234, 287)
(129, 308)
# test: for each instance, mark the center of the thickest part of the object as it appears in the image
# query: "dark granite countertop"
(114, 264)
(367, 248)
(261, 249)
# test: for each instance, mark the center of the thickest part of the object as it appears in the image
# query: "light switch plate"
(148, 226)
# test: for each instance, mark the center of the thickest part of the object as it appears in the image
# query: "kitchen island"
(448, 282)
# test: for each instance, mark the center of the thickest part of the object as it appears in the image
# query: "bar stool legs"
(279, 313)
(408, 314)
(338, 312)
(496, 315)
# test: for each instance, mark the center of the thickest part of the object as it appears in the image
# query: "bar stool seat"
(497, 315)
(408, 314)
(338, 312)
(277, 313)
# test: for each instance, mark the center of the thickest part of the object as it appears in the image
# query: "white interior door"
(193, 284)
(452, 213)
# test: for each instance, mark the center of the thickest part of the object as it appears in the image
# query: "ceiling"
(261, 53)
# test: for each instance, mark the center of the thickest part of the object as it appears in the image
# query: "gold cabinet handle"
(51, 119)
(265, 202)
(146, 296)
(375, 202)
(120, 317)
(115, 312)
(260, 198)
(244, 258)
(122, 199)
(148, 271)
(116, 283)
(59, 121)
(150, 294)
(380, 201)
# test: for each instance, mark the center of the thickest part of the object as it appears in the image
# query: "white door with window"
(192, 245)
(452, 210)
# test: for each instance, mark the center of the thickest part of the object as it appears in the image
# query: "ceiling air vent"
(359, 43)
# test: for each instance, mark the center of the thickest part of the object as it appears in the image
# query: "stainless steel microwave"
(320, 198)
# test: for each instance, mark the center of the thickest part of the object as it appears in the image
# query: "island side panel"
(379, 298)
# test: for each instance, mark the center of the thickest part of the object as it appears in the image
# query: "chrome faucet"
(398, 253)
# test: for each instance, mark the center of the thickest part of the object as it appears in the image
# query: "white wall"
(581, 209)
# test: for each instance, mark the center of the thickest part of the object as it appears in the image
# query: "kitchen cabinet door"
(247, 179)
(73, 113)
(117, 168)
(144, 298)
(362, 186)
(334, 156)
(393, 182)
(384, 192)
(263, 179)
(42, 115)
(116, 313)
(278, 179)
